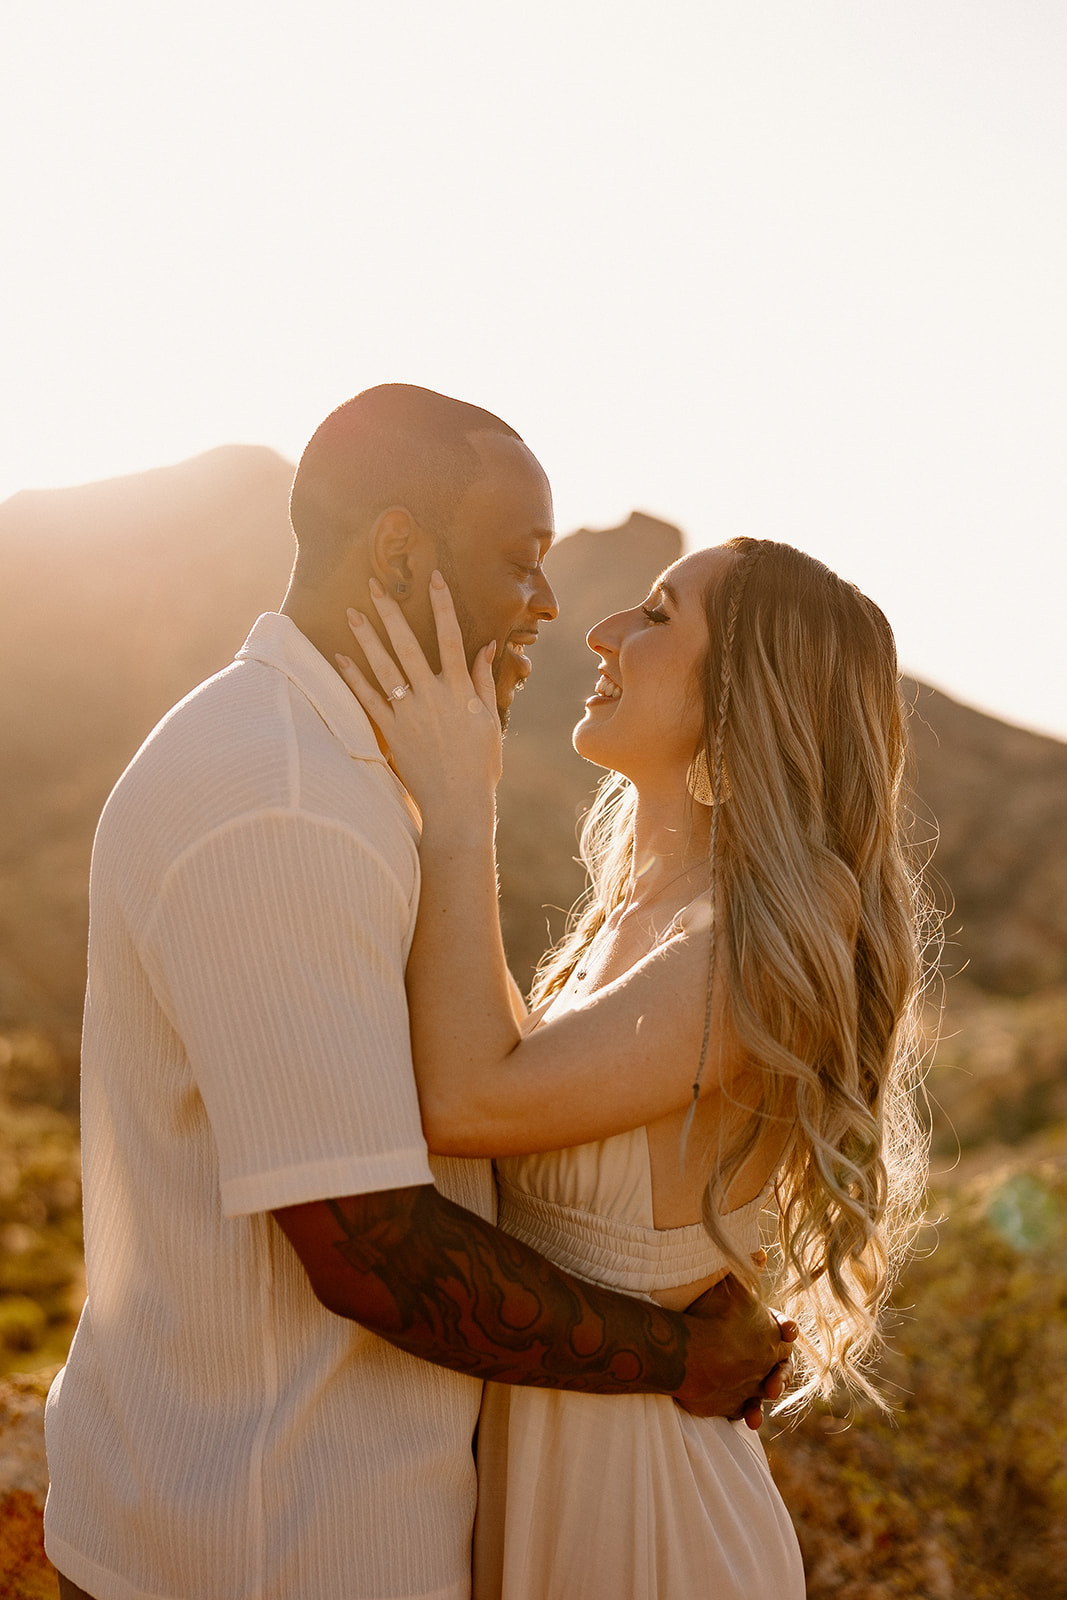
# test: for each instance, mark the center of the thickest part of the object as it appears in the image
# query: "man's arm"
(441, 1283)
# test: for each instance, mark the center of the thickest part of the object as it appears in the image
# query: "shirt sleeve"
(279, 942)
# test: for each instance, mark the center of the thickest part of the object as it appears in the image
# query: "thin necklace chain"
(642, 906)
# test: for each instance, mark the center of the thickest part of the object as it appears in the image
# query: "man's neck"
(322, 619)
(326, 627)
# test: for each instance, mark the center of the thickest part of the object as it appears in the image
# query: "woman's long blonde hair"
(819, 930)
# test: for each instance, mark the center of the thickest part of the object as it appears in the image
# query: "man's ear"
(394, 542)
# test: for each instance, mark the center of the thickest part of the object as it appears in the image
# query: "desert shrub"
(41, 1273)
(22, 1323)
(1000, 1068)
(962, 1493)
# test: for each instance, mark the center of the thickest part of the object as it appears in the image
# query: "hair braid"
(739, 582)
(818, 942)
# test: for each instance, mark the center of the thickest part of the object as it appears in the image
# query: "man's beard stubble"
(472, 634)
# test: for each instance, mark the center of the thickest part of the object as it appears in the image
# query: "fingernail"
(344, 661)
(436, 580)
(490, 649)
(376, 589)
(355, 618)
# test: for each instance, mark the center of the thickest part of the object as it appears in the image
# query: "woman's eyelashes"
(655, 614)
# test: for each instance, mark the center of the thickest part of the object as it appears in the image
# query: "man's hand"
(738, 1355)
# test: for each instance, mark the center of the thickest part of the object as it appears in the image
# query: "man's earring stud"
(401, 588)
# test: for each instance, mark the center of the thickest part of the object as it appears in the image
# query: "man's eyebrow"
(542, 537)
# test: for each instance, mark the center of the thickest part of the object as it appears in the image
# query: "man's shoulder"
(244, 743)
(210, 731)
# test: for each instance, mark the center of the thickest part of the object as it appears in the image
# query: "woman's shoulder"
(695, 917)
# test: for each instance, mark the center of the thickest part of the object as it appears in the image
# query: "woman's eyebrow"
(665, 589)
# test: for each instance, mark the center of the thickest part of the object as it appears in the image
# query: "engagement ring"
(399, 692)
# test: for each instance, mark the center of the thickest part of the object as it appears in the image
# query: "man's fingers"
(775, 1384)
(773, 1389)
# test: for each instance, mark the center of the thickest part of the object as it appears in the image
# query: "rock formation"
(119, 597)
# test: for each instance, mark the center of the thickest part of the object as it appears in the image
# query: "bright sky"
(791, 268)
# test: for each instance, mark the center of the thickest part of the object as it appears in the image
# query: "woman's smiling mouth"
(607, 691)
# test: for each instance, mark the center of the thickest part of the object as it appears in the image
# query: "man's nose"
(544, 602)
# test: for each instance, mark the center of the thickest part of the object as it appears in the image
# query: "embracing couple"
(325, 1352)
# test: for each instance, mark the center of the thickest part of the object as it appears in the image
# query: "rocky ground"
(25, 1574)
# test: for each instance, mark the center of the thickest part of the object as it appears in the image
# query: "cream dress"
(593, 1497)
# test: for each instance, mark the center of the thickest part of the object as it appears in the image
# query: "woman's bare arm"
(623, 1059)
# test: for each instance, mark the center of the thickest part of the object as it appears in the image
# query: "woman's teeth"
(606, 689)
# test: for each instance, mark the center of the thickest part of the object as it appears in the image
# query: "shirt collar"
(277, 642)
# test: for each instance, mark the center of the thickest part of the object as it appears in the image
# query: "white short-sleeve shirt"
(215, 1432)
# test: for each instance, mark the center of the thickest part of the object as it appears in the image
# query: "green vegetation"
(41, 1272)
(960, 1494)
(963, 1490)
(1000, 1071)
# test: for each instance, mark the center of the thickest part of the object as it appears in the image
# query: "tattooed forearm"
(441, 1283)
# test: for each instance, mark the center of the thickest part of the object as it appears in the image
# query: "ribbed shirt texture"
(216, 1434)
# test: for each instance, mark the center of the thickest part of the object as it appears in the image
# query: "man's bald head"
(394, 445)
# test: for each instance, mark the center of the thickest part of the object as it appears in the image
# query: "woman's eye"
(655, 614)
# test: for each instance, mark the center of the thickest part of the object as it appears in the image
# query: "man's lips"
(515, 649)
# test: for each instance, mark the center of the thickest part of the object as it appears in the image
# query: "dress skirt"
(596, 1497)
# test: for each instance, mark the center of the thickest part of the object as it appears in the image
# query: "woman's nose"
(603, 635)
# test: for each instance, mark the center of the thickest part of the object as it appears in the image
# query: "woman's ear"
(394, 539)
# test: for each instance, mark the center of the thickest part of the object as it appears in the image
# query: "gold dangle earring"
(698, 780)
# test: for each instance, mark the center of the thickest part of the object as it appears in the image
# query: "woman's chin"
(581, 728)
(589, 744)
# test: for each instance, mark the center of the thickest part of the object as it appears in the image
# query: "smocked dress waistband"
(622, 1255)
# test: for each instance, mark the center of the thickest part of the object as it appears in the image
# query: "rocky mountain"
(997, 795)
(547, 787)
(118, 597)
(992, 796)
